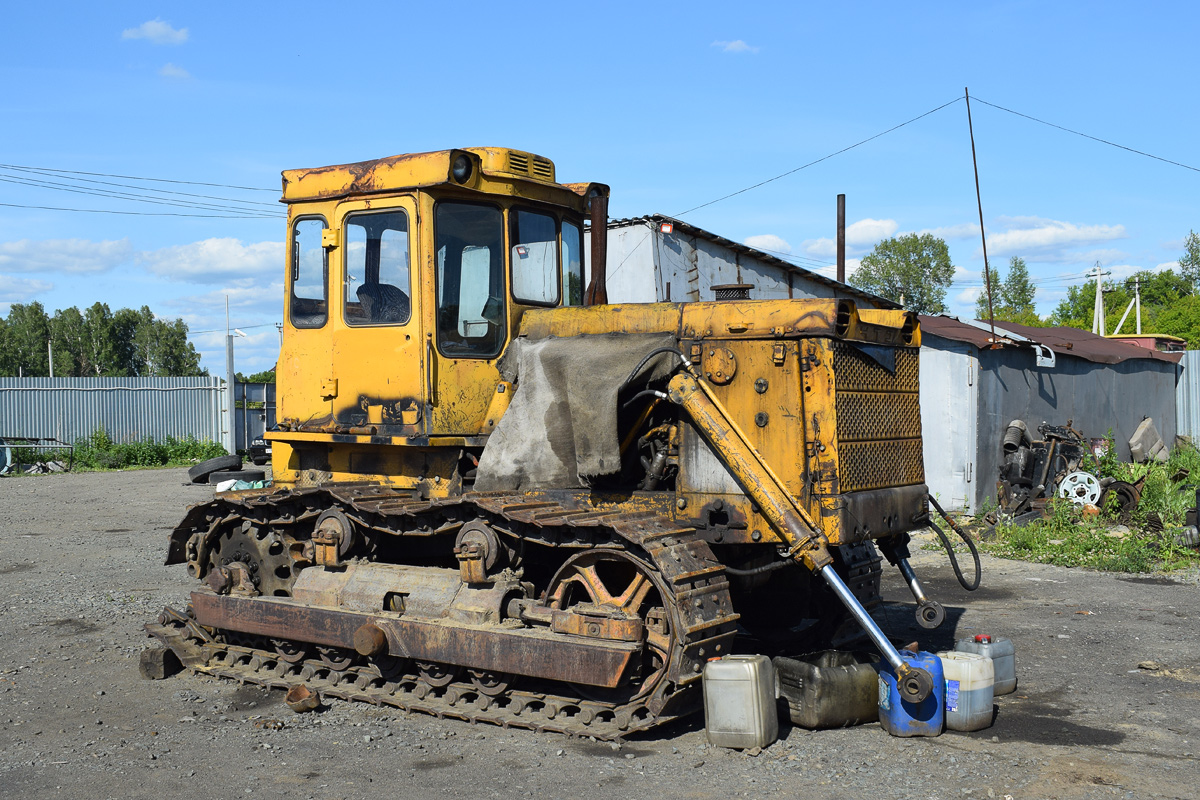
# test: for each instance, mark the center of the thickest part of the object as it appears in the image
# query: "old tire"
(248, 475)
(200, 472)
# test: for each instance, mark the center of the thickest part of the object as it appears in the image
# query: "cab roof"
(492, 168)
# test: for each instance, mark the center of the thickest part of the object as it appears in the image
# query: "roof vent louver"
(518, 162)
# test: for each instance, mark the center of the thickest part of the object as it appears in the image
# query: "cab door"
(377, 354)
(470, 315)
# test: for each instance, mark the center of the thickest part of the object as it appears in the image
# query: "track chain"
(704, 620)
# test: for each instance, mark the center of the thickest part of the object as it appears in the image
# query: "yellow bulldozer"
(498, 497)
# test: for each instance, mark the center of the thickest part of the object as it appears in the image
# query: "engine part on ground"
(200, 472)
(247, 475)
(1081, 488)
(1146, 444)
(300, 698)
(1121, 496)
(158, 663)
(1016, 434)
(1032, 470)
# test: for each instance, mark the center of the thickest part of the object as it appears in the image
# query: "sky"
(672, 105)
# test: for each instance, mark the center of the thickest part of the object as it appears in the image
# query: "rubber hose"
(646, 360)
(759, 570)
(970, 587)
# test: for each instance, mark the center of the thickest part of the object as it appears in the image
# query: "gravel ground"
(82, 571)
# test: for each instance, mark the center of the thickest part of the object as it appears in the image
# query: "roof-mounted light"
(461, 169)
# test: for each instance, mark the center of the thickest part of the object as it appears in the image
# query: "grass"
(1066, 538)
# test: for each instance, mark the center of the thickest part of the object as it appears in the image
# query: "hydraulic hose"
(970, 587)
(633, 374)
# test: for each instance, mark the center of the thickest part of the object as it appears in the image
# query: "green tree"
(1012, 298)
(1189, 262)
(916, 268)
(266, 376)
(8, 366)
(27, 340)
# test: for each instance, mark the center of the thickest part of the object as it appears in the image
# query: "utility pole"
(1098, 309)
(50, 355)
(1137, 298)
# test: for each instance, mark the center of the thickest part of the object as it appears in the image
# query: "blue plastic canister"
(902, 718)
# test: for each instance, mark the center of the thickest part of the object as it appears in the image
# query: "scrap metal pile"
(1035, 470)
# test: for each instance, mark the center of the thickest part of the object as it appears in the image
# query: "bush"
(99, 451)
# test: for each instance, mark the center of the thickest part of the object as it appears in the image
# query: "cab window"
(572, 261)
(469, 242)
(377, 281)
(309, 293)
(534, 244)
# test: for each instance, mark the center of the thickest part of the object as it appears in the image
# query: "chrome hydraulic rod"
(914, 683)
(930, 613)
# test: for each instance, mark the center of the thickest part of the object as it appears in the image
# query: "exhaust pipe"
(597, 290)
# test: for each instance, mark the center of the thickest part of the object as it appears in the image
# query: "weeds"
(1068, 538)
(98, 451)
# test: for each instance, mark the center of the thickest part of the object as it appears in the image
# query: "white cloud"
(169, 70)
(1165, 266)
(769, 242)
(218, 261)
(18, 290)
(859, 236)
(1036, 235)
(63, 255)
(963, 230)
(736, 46)
(157, 32)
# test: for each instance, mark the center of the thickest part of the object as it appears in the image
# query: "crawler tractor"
(499, 498)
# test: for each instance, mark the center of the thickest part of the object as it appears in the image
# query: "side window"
(378, 284)
(469, 242)
(572, 261)
(534, 243)
(310, 292)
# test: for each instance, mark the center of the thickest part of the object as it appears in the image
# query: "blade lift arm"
(804, 541)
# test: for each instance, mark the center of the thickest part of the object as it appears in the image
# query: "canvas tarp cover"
(561, 427)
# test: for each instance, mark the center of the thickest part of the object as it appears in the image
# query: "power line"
(1088, 136)
(239, 327)
(50, 173)
(819, 160)
(132, 213)
(137, 178)
(41, 184)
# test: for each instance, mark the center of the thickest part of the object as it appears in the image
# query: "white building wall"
(949, 408)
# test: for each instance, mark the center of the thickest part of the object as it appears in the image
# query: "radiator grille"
(878, 420)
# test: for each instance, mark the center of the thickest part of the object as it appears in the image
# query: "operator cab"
(407, 278)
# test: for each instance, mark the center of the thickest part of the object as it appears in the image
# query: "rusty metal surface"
(525, 651)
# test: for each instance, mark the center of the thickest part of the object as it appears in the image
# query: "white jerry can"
(739, 702)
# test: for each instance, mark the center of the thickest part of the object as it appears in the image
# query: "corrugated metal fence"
(127, 408)
(1187, 396)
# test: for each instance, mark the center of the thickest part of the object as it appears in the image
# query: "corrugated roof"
(737, 247)
(1062, 340)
